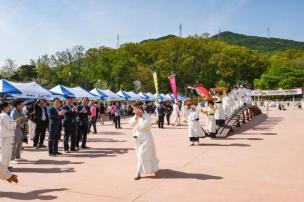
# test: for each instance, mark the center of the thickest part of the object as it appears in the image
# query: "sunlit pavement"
(262, 161)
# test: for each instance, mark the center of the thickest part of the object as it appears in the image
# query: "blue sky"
(30, 28)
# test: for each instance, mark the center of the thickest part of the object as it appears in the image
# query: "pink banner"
(173, 86)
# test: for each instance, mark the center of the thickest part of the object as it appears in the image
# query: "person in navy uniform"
(69, 125)
(55, 121)
(83, 113)
(41, 119)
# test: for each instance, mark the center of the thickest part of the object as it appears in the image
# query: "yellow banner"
(155, 82)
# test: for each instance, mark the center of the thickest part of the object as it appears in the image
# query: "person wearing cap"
(144, 143)
(19, 130)
(210, 120)
(7, 134)
(69, 125)
(194, 129)
(41, 119)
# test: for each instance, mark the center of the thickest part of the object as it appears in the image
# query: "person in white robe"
(175, 114)
(227, 104)
(7, 134)
(144, 143)
(194, 129)
(210, 120)
(219, 114)
(184, 112)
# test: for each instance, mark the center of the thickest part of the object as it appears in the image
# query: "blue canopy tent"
(99, 93)
(134, 96)
(62, 91)
(144, 96)
(123, 95)
(111, 95)
(7, 88)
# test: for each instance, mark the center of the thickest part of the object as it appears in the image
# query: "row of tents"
(34, 90)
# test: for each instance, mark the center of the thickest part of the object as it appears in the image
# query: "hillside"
(262, 44)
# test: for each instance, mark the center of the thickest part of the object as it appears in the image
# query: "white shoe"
(14, 162)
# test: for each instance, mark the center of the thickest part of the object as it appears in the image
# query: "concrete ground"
(262, 161)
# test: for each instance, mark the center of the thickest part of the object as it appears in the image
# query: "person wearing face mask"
(147, 162)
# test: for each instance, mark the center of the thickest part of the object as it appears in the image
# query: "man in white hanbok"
(7, 134)
(175, 114)
(144, 143)
(194, 129)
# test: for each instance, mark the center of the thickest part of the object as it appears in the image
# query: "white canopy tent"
(110, 95)
(80, 93)
(134, 96)
(31, 90)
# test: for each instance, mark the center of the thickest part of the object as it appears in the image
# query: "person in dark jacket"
(41, 119)
(161, 115)
(83, 113)
(168, 111)
(69, 125)
(55, 117)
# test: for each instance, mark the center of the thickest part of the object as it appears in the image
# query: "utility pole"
(268, 32)
(180, 30)
(219, 33)
(117, 41)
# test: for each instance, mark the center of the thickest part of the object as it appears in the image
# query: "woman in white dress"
(194, 129)
(144, 143)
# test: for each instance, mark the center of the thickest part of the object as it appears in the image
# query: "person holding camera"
(83, 122)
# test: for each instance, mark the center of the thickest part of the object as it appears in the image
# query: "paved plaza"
(261, 161)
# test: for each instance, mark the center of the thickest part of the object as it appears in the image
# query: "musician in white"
(175, 119)
(194, 129)
(144, 143)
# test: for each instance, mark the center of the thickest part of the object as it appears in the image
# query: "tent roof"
(30, 90)
(99, 93)
(7, 88)
(62, 90)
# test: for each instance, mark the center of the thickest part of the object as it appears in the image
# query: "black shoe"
(84, 147)
(137, 177)
(73, 150)
(58, 153)
(52, 155)
(42, 146)
(10, 168)
(95, 133)
(37, 147)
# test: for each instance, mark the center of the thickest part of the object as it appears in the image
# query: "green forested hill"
(262, 44)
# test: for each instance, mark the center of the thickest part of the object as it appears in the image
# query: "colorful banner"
(173, 86)
(155, 82)
(295, 91)
(202, 91)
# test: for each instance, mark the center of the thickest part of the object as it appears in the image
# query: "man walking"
(161, 115)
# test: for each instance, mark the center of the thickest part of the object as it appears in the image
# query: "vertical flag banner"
(155, 82)
(173, 85)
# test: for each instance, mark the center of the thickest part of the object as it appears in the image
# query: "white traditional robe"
(7, 134)
(219, 112)
(184, 113)
(210, 120)
(144, 144)
(4, 172)
(194, 128)
(174, 118)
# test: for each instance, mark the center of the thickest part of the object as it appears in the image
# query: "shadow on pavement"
(250, 138)
(103, 140)
(49, 162)
(173, 174)
(43, 170)
(259, 123)
(32, 195)
(100, 152)
(225, 145)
